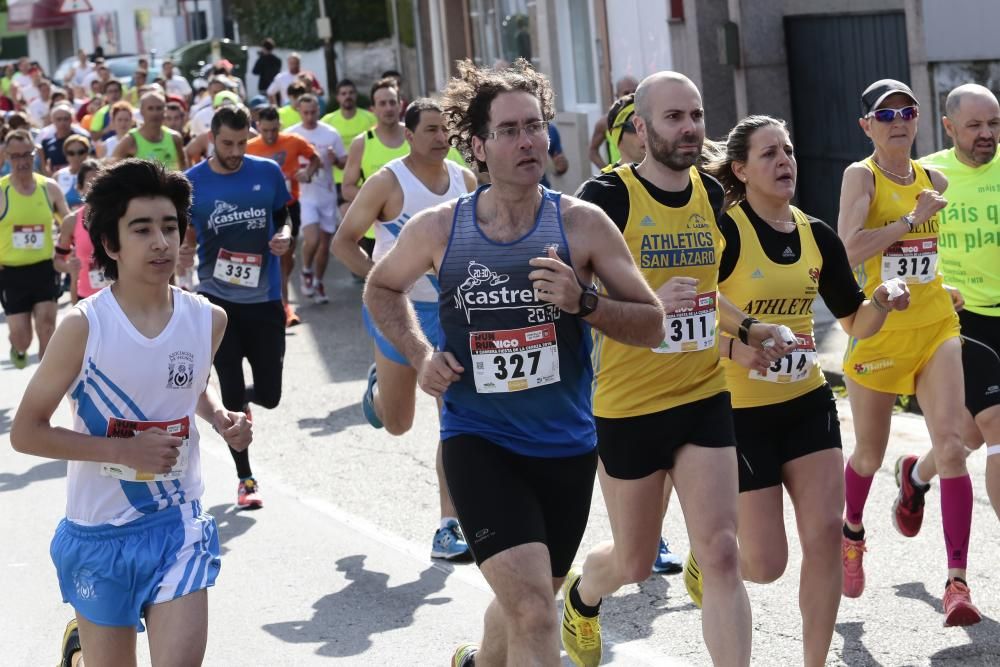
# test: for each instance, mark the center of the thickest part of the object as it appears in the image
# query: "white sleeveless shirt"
(416, 198)
(127, 379)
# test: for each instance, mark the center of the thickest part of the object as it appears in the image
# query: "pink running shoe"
(908, 508)
(957, 605)
(852, 553)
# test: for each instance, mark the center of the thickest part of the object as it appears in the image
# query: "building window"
(503, 31)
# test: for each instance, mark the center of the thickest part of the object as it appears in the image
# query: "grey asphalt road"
(336, 569)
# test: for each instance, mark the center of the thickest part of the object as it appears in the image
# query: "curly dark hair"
(115, 187)
(468, 98)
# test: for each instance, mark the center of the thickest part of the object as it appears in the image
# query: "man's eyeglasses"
(21, 156)
(889, 115)
(510, 133)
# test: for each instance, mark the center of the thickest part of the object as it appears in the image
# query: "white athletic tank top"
(416, 198)
(128, 378)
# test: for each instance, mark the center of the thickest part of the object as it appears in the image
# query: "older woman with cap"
(888, 221)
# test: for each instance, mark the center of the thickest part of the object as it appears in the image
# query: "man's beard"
(980, 158)
(667, 154)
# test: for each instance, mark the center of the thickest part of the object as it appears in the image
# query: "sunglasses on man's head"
(889, 115)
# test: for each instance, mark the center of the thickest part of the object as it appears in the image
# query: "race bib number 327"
(514, 359)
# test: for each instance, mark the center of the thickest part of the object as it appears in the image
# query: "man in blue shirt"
(238, 224)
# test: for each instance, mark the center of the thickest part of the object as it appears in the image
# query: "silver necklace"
(891, 173)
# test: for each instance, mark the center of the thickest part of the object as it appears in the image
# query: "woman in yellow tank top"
(775, 263)
(889, 223)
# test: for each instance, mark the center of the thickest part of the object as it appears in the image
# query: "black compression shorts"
(769, 436)
(635, 447)
(981, 360)
(504, 499)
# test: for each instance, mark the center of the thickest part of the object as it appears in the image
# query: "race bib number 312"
(514, 359)
(690, 330)
(913, 260)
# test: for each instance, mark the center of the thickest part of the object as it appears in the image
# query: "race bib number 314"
(690, 330)
(795, 366)
(514, 359)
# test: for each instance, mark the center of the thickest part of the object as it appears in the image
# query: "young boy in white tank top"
(135, 542)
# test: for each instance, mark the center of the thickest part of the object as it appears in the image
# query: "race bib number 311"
(514, 359)
(238, 268)
(690, 330)
(913, 260)
(127, 428)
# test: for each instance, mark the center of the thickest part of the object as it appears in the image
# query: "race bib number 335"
(514, 359)
(238, 268)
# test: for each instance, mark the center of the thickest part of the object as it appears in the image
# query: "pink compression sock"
(956, 516)
(856, 488)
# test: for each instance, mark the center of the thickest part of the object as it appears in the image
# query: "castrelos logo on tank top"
(484, 289)
(226, 214)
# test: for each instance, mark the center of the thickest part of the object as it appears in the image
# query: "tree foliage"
(292, 23)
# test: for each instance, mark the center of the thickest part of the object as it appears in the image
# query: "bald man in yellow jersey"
(889, 218)
(969, 244)
(666, 410)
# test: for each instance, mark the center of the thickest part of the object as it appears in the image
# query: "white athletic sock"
(992, 449)
(915, 477)
(445, 520)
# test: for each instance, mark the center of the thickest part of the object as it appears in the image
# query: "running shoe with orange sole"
(957, 605)
(852, 553)
(908, 508)
(248, 495)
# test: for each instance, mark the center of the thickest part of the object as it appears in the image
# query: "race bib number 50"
(913, 260)
(238, 268)
(127, 428)
(690, 330)
(794, 366)
(29, 237)
(514, 359)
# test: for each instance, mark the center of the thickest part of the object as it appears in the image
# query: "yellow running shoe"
(464, 655)
(70, 644)
(581, 635)
(692, 579)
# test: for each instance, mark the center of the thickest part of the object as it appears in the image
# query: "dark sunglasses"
(75, 153)
(627, 126)
(889, 115)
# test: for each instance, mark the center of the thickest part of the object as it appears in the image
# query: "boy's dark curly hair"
(112, 191)
(468, 98)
